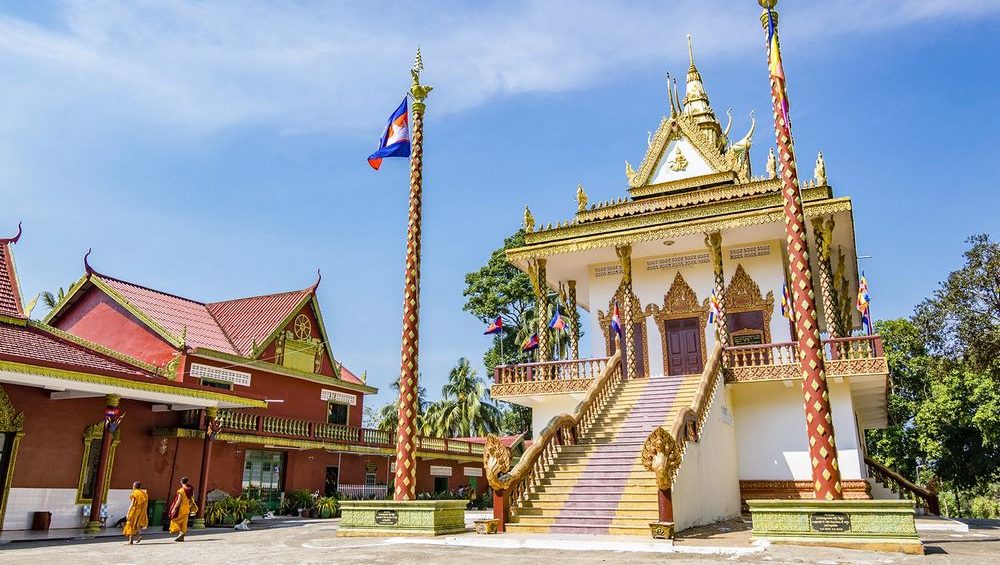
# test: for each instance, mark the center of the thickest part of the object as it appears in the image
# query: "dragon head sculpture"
(661, 454)
(496, 463)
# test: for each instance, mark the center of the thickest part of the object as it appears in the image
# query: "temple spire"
(696, 104)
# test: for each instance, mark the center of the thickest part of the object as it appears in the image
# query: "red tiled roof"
(179, 316)
(346, 375)
(30, 345)
(250, 321)
(10, 296)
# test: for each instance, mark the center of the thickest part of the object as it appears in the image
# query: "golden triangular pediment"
(678, 136)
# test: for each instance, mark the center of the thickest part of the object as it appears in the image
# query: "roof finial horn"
(670, 96)
(86, 262)
(319, 279)
(15, 238)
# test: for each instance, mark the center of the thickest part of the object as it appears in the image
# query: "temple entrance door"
(684, 346)
(332, 477)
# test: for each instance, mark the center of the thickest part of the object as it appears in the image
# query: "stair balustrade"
(513, 485)
(925, 497)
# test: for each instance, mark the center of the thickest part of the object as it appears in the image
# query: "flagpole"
(819, 417)
(406, 452)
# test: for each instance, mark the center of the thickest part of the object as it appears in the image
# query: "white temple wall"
(549, 406)
(707, 486)
(650, 286)
(771, 431)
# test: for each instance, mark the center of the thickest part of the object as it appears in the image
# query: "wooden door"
(683, 347)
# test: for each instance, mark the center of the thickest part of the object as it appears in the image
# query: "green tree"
(51, 300)
(387, 417)
(465, 408)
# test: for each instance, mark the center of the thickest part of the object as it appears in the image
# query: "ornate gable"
(677, 151)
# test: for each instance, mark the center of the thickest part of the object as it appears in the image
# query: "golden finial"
(767, 4)
(690, 51)
(772, 164)
(529, 221)
(629, 171)
(364, 376)
(819, 173)
(670, 96)
(581, 198)
(418, 91)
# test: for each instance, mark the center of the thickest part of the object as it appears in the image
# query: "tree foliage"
(944, 363)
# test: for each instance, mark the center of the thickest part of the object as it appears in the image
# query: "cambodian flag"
(616, 320)
(395, 140)
(557, 322)
(530, 344)
(864, 300)
(786, 302)
(495, 327)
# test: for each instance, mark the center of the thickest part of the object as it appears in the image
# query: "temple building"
(700, 234)
(122, 382)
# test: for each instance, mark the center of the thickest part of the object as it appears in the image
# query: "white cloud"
(305, 67)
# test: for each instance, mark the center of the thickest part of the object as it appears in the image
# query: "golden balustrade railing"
(550, 371)
(512, 485)
(846, 355)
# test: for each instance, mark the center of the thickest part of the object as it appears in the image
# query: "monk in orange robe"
(182, 509)
(136, 520)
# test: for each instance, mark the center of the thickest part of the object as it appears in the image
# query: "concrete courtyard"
(308, 542)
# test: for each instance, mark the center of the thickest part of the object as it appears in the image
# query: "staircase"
(598, 485)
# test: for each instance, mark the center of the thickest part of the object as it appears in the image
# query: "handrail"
(898, 483)
(787, 352)
(513, 484)
(664, 449)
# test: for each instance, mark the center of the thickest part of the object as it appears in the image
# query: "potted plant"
(326, 507)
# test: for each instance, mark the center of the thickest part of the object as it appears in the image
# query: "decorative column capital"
(212, 412)
(624, 253)
(112, 400)
(713, 241)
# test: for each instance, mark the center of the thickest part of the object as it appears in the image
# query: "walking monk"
(136, 520)
(181, 510)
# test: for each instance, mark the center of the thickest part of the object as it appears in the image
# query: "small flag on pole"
(864, 300)
(495, 327)
(786, 303)
(616, 320)
(557, 322)
(395, 140)
(530, 344)
(714, 308)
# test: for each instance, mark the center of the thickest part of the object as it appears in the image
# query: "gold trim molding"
(743, 295)
(11, 422)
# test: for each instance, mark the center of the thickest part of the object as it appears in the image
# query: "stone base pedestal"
(879, 525)
(197, 524)
(389, 518)
(92, 527)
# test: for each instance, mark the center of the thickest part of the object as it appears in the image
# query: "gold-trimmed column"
(713, 241)
(816, 396)
(539, 283)
(822, 238)
(111, 419)
(574, 317)
(406, 449)
(624, 253)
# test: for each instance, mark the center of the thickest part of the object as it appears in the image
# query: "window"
(336, 413)
(91, 459)
(370, 480)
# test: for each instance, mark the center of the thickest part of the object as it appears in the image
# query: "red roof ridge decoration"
(10, 291)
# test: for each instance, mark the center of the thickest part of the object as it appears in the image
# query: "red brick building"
(257, 375)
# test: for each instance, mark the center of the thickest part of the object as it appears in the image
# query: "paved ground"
(315, 542)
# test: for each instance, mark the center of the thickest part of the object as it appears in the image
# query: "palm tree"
(388, 415)
(51, 300)
(465, 408)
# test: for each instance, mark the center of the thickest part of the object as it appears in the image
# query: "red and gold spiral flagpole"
(819, 418)
(406, 449)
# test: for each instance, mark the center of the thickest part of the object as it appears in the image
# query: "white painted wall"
(651, 285)
(548, 406)
(707, 488)
(771, 431)
(22, 503)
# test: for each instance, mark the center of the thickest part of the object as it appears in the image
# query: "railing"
(550, 371)
(844, 356)
(363, 492)
(258, 424)
(513, 487)
(926, 498)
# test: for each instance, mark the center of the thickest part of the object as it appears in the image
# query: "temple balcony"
(845, 357)
(274, 431)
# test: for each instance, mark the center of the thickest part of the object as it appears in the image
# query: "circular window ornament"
(302, 327)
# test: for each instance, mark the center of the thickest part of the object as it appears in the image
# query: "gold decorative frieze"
(562, 386)
(639, 229)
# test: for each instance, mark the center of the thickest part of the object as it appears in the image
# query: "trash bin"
(40, 521)
(156, 511)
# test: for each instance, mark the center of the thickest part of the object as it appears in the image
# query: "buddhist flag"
(864, 300)
(557, 322)
(616, 320)
(775, 67)
(786, 303)
(530, 344)
(395, 139)
(495, 327)
(714, 308)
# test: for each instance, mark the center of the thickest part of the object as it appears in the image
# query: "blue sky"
(217, 150)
